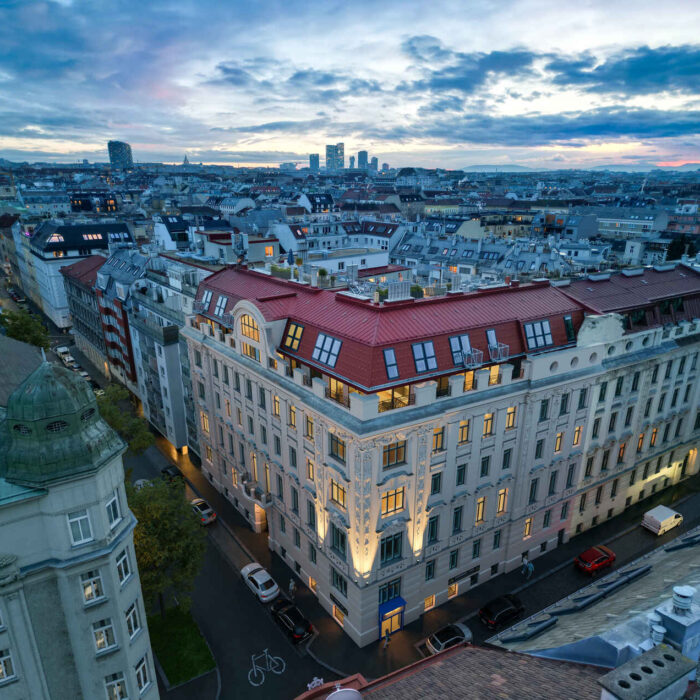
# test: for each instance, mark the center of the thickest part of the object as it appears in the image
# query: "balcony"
(163, 335)
(499, 352)
(342, 399)
(396, 402)
(473, 358)
(199, 307)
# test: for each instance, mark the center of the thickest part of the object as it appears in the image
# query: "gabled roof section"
(84, 271)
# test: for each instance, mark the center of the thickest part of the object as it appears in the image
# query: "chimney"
(657, 634)
(682, 599)
(376, 296)
(314, 276)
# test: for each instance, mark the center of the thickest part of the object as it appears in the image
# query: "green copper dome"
(53, 430)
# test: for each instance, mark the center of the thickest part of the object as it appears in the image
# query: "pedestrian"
(387, 639)
(292, 588)
(525, 563)
(530, 571)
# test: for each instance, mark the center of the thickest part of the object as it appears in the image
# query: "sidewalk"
(554, 576)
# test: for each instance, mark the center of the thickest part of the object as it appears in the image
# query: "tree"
(416, 291)
(118, 413)
(21, 325)
(168, 539)
(677, 248)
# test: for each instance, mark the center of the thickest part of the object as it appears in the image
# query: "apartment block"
(400, 453)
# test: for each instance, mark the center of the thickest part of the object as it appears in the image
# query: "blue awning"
(397, 603)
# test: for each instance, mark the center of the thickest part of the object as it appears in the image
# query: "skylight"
(326, 349)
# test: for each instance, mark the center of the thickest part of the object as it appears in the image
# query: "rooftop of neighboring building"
(19, 361)
(53, 236)
(381, 270)
(84, 271)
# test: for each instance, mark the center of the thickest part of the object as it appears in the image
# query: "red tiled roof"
(621, 292)
(85, 271)
(366, 328)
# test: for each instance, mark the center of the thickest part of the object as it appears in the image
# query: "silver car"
(448, 636)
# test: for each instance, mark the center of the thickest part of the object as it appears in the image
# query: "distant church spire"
(185, 161)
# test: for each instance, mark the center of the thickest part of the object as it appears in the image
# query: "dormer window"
(538, 334)
(293, 337)
(206, 299)
(220, 305)
(460, 347)
(326, 349)
(392, 369)
(424, 356)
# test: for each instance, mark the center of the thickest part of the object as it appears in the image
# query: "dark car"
(171, 472)
(595, 559)
(292, 621)
(501, 610)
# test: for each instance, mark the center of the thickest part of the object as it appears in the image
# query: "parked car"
(595, 559)
(68, 359)
(62, 351)
(448, 636)
(20, 299)
(84, 375)
(292, 621)
(661, 519)
(171, 472)
(260, 582)
(203, 511)
(501, 610)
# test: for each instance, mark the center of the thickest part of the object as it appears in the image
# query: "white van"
(62, 351)
(661, 519)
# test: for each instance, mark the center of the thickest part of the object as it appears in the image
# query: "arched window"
(250, 328)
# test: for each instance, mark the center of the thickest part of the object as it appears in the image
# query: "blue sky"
(449, 84)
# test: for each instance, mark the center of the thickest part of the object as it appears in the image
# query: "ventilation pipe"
(682, 599)
(658, 632)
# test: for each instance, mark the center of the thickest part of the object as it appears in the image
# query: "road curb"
(318, 660)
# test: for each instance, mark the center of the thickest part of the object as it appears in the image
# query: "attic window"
(206, 299)
(326, 349)
(538, 334)
(293, 337)
(392, 369)
(87, 414)
(424, 356)
(460, 346)
(22, 429)
(57, 426)
(220, 305)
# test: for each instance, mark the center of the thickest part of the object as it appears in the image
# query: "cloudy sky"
(439, 83)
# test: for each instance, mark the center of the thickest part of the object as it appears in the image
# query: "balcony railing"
(342, 399)
(396, 402)
(199, 306)
(473, 358)
(499, 352)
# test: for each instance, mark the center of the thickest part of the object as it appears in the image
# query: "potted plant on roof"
(322, 274)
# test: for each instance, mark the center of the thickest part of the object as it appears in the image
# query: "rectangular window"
(123, 566)
(295, 500)
(283, 526)
(292, 457)
(277, 445)
(433, 529)
(476, 549)
(497, 539)
(570, 476)
(91, 584)
(435, 483)
(438, 439)
(311, 514)
(589, 467)
(527, 530)
(502, 501)
(605, 460)
(79, 525)
(532, 497)
(582, 395)
(390, 548)
(461, 474)
(457, 519)
(338, 541)
(582, 503)
(654, 433)
(547, 518)
(142, 679)
(618, 386)
(488, 425)
(424, 356)
(613, 489)
(628, 416)
(596, 428)
(485, 465)
(206, 299)
(339, 583)
(598, 495)
(669, 366)
(337, 494)
(197, 358)
(430, 571)
(544, 410)
(280, 488)
(454, 559)
(312, 558)
(564, 511)
(220, 305)
(552, 489)
(132, 620)
(558, 442)
(392, 501)
(564, 405)
(569, 328)
(309, 469)
(337, 448)
(612, 422)
(460, 348)
(463, 432)
(577, 435)
(538, 334)
(292, 416)
(390, 590)
(621, 453)
(326, 349)
(602, 391)
(510, 417)
(480, 515)
(116, 687)
(113, 512)
(103, 635)
(539, 449)
(393, 454)
(205, 422)
(308, 426)
(507, 457)
(293, 337)
(276, 406)
(392, 368)
(250, 351)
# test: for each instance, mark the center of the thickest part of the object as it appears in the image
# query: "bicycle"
(256, 675)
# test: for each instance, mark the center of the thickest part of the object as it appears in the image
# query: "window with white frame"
(538, 334)
(103, 633)
(79, 524)
(113, 511)
(91, 583)
(123, 566)
(132, 620)
(460, 347)
(220, 305)
(392, 368)
(424, 356)
(326, 349)
(206, 299)
(142, 679)
(7, 670)
(115, 687)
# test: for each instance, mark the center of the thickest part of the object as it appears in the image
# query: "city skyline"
(602, 86)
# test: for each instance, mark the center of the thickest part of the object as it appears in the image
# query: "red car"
(595, 558)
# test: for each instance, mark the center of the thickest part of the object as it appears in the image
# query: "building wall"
(50, 288)
(248, 453)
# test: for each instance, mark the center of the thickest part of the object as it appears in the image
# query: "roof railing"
(473, 358)
(499, 352)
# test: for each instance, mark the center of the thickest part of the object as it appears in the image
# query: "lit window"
(250, 351)
(463, 432)
(538, 334)
(276, 406)
(558, 441)
(309, 469)
(488, 425)
(510, 417)
(392, 369)
(205, 422)
(393, 454)
(103, 635)
(654, 433)
(115, 687)
(326, 349)
(269, 251)
(309, 427)
(527, 531)
(337, 448)
(438, 439)
(640, 442)
(424, 356)
(502, 501)
(337, 493)
(480, 510)
(577, 434)
(293, 337)
(249, 328)
(292, 416)
(429, 602)
(142, 679)
(91, 583)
